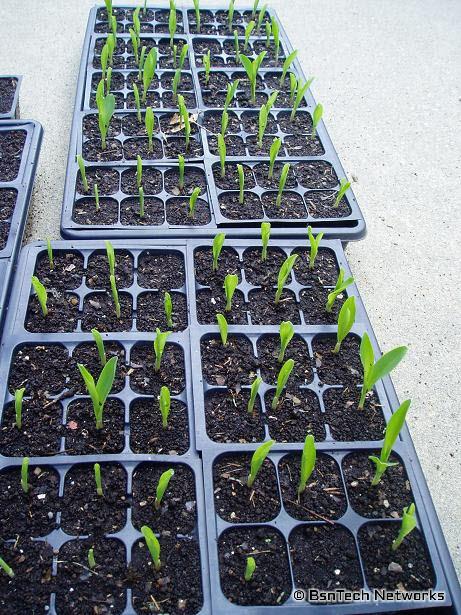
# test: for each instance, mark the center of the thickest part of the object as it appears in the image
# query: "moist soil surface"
(161, 270)
(322, 205)
(250, 209)
(145, 379)
(325, 271)
(41, 369)
(87, 355)
(313, 304)
(147, 434)
(97, 272)
(231, 365)
(268, 347)
(295, 416)
(177, 213)
(82, 437)
(228, 263)
(61, 317)
(85, 212)
(154, 212)
(228, 420)
(263, 273)
(99, 312)
(212, 302)
(7, 92)
(264, 310)
(11, 150)
(151, 312)
(347, 423)
(343, 367)
(67, 272)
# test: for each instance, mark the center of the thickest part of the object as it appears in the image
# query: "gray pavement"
(388, 75)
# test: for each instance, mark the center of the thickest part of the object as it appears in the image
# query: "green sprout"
(293, 87)
(142, 61)
(182, 56)
(255, 9)
(236, 46)
(137, 24)
(153, 545)
(99, 391)
(7, 569)
(372, 372)
(106, 108)
(268, 34)
(182, 168)
(108, 4)
(25, 475)
(218, 243)
(165, 405)
(91, 560)
(168, 307)
(223, 328)
(172, 24)
(150, 66)
(316, 117)
(231, 92)
(145, 7)
(341, 285)
(193, 202)
(282, 183)
(159, 347)
(96, 196)
(273, 153)
(135, 43)
(346, 321)
(108, 79)
(257, 460)
(137, 100)
(184, 113)
(115, 297)
(248, 30)
(286, 335)
(314, 246)
(302, 89)
(162, 486)
(141, 202)
(252, 68)
(407, 526)
(282, 379)
(391, 434)
(308, 459)
(253, 393)
(224, 122)
(286, 65)
(175, 55)
(104, 61)
(344, 186)
(113, 24)
(97, 479)
(263, 119)
(222, 154)
(110, 252)
(197, 14)
(241, 175)
(230, 284)
(284, 272)
(276, 35)
(250, 568)
(41, 293)
(262, 13)
(138, 171)
(81, 166)
(100, 346)
(18, 398)
(230, 16)
(265, 236)
(176, 82)
(207, 65)
(149, 120)
(49, 250)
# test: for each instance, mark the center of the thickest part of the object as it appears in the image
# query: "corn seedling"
(218, 243)
(159, 347)
(49, 251)
(182, 166)
(250, 568)
(81, 166)
(141, 202)
(111, 42)
(302, 89)
(255, 9)
(6, 569)
(284, 272)
(115, 296)
(150, 66)
(273, 153)
(407, 526)
(344, 186)
(172, 24)
(241, 175)
(110, 252)
(97, 479)
(253, 393)
(104, 61)
(100, 346)
(99, 391)
(223, 328)
(91, 560)
(263, 118)
(108, 79)
(175, 56)
(165, 405)
(391, 434)
(314, 246)
(222, 154)
(106, 107)
(346, 321)
(142, 62)
(257, 460)
(286, 335)
(153, 545)
(224, 123)
(168, 307)
(316, 117)
(308, 458)
(230, 284)
(108, 4)
(96, 196)
(197, 14)
(261, 16)
(236, 46)
(265, 236)
(135, 44)
(145, 7)
(268, 34)
(282, 379)
(18, 397)
(184, 114)
(137, 101)
(248, 30)
(293, 87)
(162, 486)
(137, 24)
(138, 171)
(286, 65)
(176, 81)
(182, 56)
(282, 183)
(341, 285)
(149, 120)
(193, 202)
(372, 372)
(230, 15)
(231, 92)
(25, 475)
(251, 69)
(207, 65)
(41, 293)
(276, 35)
(113, 24)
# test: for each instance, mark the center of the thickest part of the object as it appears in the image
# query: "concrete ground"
(388, 75)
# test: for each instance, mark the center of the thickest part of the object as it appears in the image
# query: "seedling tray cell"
(9, 96)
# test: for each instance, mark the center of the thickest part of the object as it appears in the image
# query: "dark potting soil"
(250, 124)
(151, 312)
(99, 312)
(231, 365)
(102, 589)
(297, 414)
(144, 378)
(230, 181)
(82, 437)
(291, 206)
(212, 302)
(67, 272)
(32, 513)
(234, 145)
(250, 209)
(11, 148)
(154, 212)
(228, 263)
(313, 302)
(177, 212)
(62, 314)
(147, 434)
(268, 353)
(302, 145)
(228, 420)
(263, 273)
(387, 498)
(174, 146)
(235, 502)
(325, 269)
(4, 232)
(93, 152)
(255, 148)
(97, 273)
(161, 270)
(261, 172)
(83, 511)
(346, 421)
(212, 122)
(177, 586)
(177, 511)
(87, 354)
(407, 568)
(85, 212)
(264, 310)
(151, 181)
(271, 582)
(322, 205)
(8, 198)
(316, 174)
(193, 178)
(7, 92)
(343, 367)
(42, 369)
(323, 497)
(325, 557)
(90, 127)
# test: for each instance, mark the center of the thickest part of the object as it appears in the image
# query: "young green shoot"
(175, 56)
(149, 120)
(253, 394)
(282, 379)
(224, 123)
(182, 56)
(100, 346)
(91, 560)
(168, 307)
(115, 297)
(293, 87)
(176, 82)
(137, 24)
(172, 24)
(165, 405)
(96, 196)
(222, 154)
(6, 569)
(407, 526)
(106, 108)
(316, 117)
(108, 4)
(271, 100)
(197, 14)
(391, 434)
(113, 25)
(159, 347)
(241, 175)
(341, 285)
(344, 186)
(137, 101)
(41, 293)
(263, 118)
(372, 372)
(184, 113)
(142, 212)
(286, 335)
(135, 44)
(231, 92)
(25, 475)
(110, 252)
(230, 284)
(250, 568)
(99, 391)
(273, 153)
(286, 65)
(284, 272)
(153, 545)
(268, 34)
(302, 89)
(108, 79)
(261, 16)
(104, 61)
(18, 397)
(237, 47)
(257, 460)
(248, 30)
(81, 166)
(207, 65)
(49, 251)
(138, 171)
(182, 167)
(162, 486)
(230, 16)
(265, 236)
(314, 243)
(255, 9)
(150, 66)
(308, 458)
(251, 69)
(346, 321)
(98, 479)
(282, 183)
(223, 328)
(193, 202)
(276, 35)
(218, 243)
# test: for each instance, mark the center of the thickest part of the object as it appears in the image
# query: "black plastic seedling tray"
(9, 96)
(311, 195)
